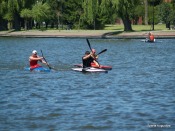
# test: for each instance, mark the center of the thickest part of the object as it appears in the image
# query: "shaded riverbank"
(88, 34)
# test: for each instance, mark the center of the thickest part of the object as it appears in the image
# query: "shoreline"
(106, 34)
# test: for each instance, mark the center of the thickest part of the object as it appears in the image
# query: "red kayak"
(92, 65)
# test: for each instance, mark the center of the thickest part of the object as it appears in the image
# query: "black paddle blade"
(102, 51)
(41, 53)
(89, 44)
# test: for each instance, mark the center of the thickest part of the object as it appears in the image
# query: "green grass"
(137, 27)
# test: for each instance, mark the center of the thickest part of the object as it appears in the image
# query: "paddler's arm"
(85, 57)
(37, 58)
(96, 63)
(44, 62)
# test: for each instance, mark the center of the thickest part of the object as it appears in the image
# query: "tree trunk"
(10, 25)
(146, 12)
(3, 25)
(168, 25)
(25, 27)
(16, 25)
(52, 25)
(127, 24)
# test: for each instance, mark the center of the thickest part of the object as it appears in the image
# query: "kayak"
(89, 69)
(147, 40)
(38, 69)
(101, 66)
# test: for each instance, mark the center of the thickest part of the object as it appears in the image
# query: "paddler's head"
(34, 52)
(93, 50)
(87, 53)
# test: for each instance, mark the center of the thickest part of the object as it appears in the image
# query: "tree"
(72, 13)
(107, 12)
(146, 11)
(173, 5)
(26, 14)
(166, 13)
(125, 8)
(98, 12)
(11, 12)
(41, 12)
(90, 9)
(136, 13)
(3, 22)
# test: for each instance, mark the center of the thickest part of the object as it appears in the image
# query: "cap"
(34, 52)
(93, 50)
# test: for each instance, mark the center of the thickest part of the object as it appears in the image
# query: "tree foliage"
(80, 14)
(166, 14)
(26, 14)
(41, 12)
(125, 10)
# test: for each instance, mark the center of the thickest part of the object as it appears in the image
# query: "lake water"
(137, 94)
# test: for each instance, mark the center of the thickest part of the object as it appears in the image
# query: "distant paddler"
(150, 37)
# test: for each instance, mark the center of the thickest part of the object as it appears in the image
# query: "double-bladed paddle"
(89, 44)
(46, 60)
(102, 51)
(91, 49)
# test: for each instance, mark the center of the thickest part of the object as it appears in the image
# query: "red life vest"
(151, 37)
(34, 63)
(93, 64)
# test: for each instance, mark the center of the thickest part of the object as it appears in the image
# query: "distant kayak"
(89, 69)
(101, 67)
(147, 40)
(38, 69)
(155, 41)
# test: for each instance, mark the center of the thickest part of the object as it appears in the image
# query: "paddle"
(91, 49)
(89, 44)
(46, 60)
(102, 51)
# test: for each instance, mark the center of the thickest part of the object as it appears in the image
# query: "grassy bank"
(137, 27)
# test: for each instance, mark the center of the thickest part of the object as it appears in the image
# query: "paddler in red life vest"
(151, 37)
(34, 58)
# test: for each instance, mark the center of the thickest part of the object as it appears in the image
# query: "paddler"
(33, 60)
(88, 58)
(150, 37)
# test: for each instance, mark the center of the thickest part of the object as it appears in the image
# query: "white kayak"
(147, 40)
(89, 69)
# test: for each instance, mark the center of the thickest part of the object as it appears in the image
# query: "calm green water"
(137, 94)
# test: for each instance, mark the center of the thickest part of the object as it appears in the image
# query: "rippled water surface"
(137, 94)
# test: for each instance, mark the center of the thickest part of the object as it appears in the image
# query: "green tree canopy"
(41, 12)
(125, 10)
(26, 14)
(166, 14)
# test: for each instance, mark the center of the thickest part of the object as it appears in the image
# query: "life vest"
(93, 64)
(34, 63)
(151, 37)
